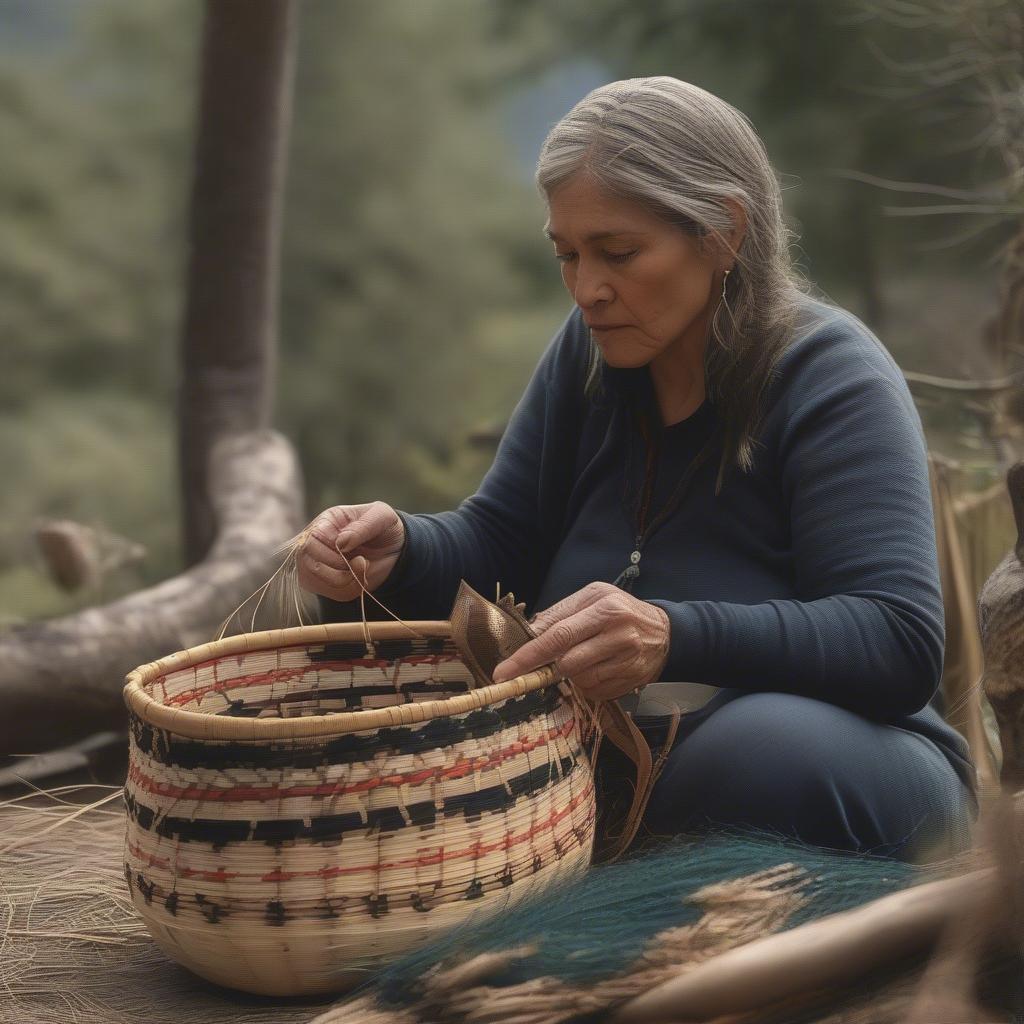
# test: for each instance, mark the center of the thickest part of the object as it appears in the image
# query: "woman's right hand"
(371, 536)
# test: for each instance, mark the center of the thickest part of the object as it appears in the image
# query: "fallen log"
(61, 679)
(79, 756)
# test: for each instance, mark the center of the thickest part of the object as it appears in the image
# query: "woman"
(711, 477)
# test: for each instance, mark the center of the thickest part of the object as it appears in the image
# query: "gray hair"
(681, 152)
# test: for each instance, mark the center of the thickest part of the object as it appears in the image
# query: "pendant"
(630, 573)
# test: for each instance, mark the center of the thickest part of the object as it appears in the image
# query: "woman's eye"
(612, 257)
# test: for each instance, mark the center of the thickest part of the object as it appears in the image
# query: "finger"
(312, 584)
(365, 528)
(318, 578)
(604, 680)
(359, 566)
(326, 527)
(356, 564)
(575, 602)
(594, 679)
(316, 550)
(608, 679)
(585, 656)
(559, 638)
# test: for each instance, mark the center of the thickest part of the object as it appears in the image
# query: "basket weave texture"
(303, 808)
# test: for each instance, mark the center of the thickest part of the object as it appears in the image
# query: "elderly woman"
(713, 477)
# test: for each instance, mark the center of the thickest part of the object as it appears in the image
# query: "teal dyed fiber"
(599, 925)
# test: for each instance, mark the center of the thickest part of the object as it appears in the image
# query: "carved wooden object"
(1001, 614)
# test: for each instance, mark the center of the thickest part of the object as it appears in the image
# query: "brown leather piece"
(486, 633)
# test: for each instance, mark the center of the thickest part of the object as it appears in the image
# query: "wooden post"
(228, 341)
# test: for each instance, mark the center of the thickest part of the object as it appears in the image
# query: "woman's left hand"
(603, 639)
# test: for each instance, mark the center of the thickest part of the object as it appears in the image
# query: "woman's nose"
(589, 286)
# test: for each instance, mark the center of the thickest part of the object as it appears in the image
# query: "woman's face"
(644, 286)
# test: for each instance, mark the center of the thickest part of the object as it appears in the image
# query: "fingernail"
(344, 537)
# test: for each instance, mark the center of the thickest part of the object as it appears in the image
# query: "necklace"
(638, 511)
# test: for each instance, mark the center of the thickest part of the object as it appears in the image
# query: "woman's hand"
(603, 639)
(371, 536)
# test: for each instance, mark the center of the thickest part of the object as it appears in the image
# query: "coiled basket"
(304, 806)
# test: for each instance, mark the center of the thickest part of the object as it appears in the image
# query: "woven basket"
(303, 808)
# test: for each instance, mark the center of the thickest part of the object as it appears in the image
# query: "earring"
(714, 319)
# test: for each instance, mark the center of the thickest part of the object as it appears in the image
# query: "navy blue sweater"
(814, 574)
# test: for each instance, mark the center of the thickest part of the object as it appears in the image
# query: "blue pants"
(805, 769)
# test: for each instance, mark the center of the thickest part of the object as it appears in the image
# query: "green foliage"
(405, 224)
(95, 144)
(410, 258)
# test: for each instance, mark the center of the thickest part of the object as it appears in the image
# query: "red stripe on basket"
(277, 675)
(457, 771)
(405, 659)
(475, 851)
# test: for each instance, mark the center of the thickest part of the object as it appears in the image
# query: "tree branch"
(62, 679)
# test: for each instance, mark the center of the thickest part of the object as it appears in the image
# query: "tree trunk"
(61, 679)
(228, 341)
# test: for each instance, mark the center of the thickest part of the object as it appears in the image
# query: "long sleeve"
(867, 631)
(505, 533)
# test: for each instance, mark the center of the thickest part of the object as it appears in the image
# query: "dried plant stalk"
(73, 950)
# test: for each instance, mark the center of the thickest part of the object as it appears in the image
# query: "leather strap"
(621, 730)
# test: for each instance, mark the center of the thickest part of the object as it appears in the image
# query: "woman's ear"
(721, 249)
(734, 239)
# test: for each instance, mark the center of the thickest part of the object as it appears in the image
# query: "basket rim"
(199, 725)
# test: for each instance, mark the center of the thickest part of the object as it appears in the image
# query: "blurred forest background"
(418, 289)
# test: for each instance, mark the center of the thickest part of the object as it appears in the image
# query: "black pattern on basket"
(168, 749)
(333, 826)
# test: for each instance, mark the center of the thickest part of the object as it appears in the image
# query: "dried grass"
(290, 597)
(73, 950)
(284, 582)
